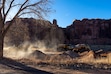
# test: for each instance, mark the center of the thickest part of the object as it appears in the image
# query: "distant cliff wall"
(91, 31)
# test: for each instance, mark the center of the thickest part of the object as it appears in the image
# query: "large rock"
(38, 55)
(72, 54)
(80, 48)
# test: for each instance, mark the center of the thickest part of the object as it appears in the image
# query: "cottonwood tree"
(18, 8)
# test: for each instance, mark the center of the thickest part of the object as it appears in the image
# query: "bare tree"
(21, 7)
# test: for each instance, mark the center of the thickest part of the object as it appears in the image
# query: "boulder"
(80, 48)
(72, 54)
(38, 55)
(101, 54)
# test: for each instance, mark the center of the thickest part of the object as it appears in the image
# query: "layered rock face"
(90, 31)
(29, 29)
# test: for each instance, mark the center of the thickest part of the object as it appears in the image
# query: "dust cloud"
(25, 49)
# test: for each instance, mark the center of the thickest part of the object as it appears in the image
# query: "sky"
(66, 11)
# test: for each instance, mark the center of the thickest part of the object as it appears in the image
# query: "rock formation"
(55, 22)
(29, 29)
(86, 31)
(90, 31)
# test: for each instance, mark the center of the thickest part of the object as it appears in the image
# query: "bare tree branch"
(3, 4)
(9, 9)
(1, 22)
(20, 9)
(5, 31)
(23, 13)
(16, 5)
(38, 8)
(37, 3)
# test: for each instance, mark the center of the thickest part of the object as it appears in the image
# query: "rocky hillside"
(89, 31)
(29, 29)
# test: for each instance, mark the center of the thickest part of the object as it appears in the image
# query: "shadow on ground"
(16, 66)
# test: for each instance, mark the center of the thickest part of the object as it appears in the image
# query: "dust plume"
(25, 49)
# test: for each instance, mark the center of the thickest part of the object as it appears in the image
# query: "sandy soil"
(9, 66)
(69, 71)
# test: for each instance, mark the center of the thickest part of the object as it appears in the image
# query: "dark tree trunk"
(1, 35)
(1, 45)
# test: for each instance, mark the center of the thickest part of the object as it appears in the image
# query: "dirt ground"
(9, 66)
(69, 71)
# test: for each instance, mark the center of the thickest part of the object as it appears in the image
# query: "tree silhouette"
(37, 8)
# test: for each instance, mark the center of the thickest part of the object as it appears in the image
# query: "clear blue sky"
(68, 10)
